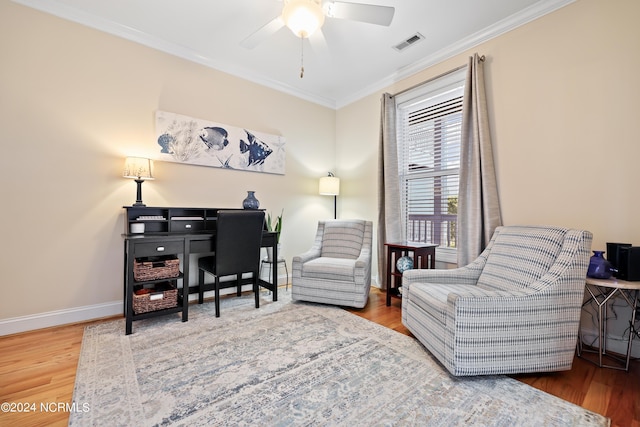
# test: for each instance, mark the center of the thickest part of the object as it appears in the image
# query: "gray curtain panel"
(389, 227)
(478, 203)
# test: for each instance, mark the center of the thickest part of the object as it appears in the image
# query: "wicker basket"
(162, 295)
(154, 268)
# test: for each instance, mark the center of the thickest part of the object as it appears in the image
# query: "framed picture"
(184, 139)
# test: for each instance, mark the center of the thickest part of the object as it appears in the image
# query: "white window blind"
(429, 132)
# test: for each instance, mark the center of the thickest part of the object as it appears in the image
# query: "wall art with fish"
(184, 139)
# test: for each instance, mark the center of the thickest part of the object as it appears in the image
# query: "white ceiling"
(355, 60)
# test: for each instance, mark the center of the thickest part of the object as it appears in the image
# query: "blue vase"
(250, 202)
(404, 263)
(599, 267)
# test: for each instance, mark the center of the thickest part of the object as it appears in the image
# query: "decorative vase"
(599, 267)
(250, 202)
(404, 263)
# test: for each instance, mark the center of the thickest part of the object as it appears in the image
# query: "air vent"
(408, 42)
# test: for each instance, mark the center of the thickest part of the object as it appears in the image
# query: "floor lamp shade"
(139, 169)
(330, 186)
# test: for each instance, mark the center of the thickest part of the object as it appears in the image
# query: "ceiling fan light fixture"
(303, 17)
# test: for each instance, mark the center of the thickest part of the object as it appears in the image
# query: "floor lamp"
(330, 186)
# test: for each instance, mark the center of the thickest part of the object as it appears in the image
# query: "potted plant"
(274, 224)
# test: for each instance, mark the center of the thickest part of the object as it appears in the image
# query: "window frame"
(430, 93)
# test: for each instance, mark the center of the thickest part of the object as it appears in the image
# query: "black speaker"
(629, 263)
(613, 253)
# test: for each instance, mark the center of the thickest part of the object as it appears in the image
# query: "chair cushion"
(343, 239)
(341, 269)
(520, 256)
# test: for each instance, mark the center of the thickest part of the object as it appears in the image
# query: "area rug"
(289, 363)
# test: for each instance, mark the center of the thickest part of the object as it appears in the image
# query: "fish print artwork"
(214, 137)
(258, 150)
(184, 139)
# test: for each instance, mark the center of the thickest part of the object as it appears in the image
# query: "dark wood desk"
(424, 256)
(166, 236)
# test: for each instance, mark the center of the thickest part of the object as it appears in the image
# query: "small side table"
(277, 264)
(424, 256)
(601, 291)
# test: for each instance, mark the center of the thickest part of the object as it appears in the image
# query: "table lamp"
(330, 186)
(139, 169)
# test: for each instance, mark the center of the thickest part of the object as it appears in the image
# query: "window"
(428, 134)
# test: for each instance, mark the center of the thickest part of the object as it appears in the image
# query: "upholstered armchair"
(337, 268)
(515, 309)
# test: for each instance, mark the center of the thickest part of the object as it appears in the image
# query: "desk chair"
(237, 251)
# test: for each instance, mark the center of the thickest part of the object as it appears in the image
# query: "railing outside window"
(437, 229)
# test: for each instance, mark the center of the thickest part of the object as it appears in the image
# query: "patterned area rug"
(289, 363)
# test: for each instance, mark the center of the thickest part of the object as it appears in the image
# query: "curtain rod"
(481, 58)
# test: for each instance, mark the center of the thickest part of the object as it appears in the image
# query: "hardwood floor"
(37, 374)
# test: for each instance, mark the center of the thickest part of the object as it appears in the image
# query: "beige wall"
(563, 98)
(562, 94)
(75, 101)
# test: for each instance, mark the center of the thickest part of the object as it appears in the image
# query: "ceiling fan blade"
(263, 33)
(373, 14)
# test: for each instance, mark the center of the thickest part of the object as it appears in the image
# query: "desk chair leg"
(256, 288)
(217, 296)
(200, 285)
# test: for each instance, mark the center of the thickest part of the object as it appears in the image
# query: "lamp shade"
(303, 17)
(137, 168)
(329, 186)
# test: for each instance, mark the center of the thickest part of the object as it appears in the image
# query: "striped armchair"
(337, 268)
(515, 309)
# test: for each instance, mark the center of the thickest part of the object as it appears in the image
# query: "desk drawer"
(157, 248)
(187, 226)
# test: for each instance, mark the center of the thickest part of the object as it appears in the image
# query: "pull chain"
(301, 57)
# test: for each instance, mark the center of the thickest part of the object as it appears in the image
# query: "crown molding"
(510, 23)
(514, 21)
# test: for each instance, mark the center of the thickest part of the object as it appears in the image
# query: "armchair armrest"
(299, 260)
(364, 258)
(363, 267)
(314, 252)
(307, 256)
(467, 275)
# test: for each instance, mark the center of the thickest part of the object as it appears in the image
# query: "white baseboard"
(32, 322)
(48, 319)
(15, 325)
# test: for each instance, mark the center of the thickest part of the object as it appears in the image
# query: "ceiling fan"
(304, 17)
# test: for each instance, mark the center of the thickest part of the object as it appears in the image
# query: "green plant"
(275, 224)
